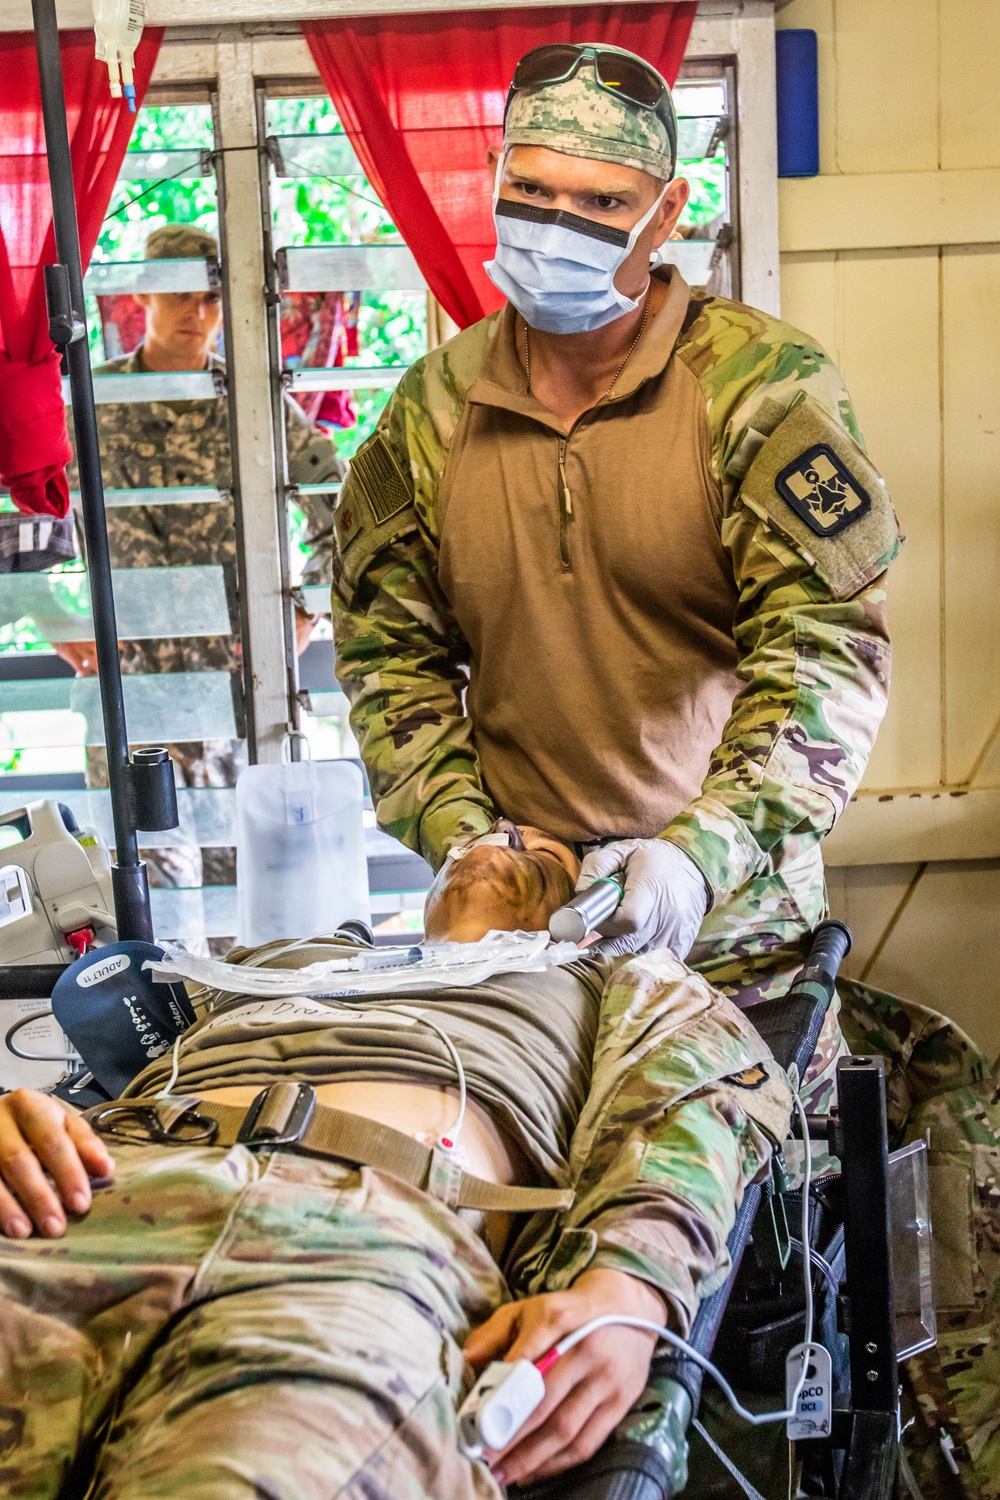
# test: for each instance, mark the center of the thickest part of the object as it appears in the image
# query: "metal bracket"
(772, 1238)
(278, 1116)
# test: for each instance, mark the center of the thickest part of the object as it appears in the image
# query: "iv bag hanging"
(118, 26)
(300, 859)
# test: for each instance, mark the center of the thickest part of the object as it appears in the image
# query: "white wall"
(892, 258)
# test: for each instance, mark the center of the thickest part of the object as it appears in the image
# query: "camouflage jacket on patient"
(667, 620)
(161, 444)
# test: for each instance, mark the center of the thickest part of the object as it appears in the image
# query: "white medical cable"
(756, 1419)
(259, 961)
(167, 1089)
(449, 1138)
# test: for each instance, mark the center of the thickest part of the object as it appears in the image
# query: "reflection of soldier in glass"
(171, 444)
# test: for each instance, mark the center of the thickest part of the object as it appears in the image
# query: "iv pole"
(142, 791)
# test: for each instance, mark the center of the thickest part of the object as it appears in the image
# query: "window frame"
(208, 53)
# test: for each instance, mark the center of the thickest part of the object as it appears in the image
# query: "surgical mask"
(558, 269)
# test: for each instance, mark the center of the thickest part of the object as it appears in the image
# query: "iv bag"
(118, 26)
(300, 856)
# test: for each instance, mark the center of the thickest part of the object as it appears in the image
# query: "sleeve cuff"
(447, 825)
(719, 843)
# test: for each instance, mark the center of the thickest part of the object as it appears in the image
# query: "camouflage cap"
(181, 242)
(582, 118)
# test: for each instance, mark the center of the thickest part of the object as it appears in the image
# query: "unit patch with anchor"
(822, 491)
(819, 491)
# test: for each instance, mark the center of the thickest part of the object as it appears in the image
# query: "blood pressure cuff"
(116, 1016)
(815, 487)
(375, 509)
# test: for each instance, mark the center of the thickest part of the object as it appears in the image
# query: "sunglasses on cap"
(623, 75)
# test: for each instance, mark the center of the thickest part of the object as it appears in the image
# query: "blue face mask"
(558, 269)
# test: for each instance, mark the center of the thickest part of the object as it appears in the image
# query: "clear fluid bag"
(300, 856)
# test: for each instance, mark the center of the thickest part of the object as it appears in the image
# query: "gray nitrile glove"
(665, 902)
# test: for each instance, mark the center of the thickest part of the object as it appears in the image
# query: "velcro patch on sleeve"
(380, 479)
(375, 509)
(814, 485)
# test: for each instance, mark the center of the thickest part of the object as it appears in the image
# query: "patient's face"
(508, 889)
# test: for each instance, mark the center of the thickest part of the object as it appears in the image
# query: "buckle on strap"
(143, 1125)
(278, 1116)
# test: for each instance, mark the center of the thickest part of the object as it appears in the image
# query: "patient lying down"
(236, 1323)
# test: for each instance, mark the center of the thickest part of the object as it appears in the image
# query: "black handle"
(29, 981)
(791, 1026)
(831, 943)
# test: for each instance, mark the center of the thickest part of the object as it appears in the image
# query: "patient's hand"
(588, 1390)
(40, 1135)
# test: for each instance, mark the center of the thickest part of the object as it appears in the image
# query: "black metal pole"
(64, 284)
(872, 1455)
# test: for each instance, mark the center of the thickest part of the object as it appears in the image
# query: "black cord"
(325, 177)
(224, 151)
(144, 194)
(220, 151)
(38, 1015)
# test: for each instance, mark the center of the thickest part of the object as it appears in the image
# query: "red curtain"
(34, 449)
(422, 96)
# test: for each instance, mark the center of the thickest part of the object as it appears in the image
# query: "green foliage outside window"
(305, 211)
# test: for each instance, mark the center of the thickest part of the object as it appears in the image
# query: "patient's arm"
(588, 1390)
(38, 1134)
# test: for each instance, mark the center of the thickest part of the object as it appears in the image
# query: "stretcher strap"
(748, 1489)
(338, 1134)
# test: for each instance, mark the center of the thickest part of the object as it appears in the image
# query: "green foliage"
(707, 177)
(137, 207)
(392, 326)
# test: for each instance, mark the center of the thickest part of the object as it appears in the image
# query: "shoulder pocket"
(815, 486)
(374, 510)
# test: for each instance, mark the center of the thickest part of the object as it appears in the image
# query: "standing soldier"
(163, 444)
(613, 562)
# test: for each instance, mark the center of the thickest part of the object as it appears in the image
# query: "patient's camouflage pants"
(225, 1326)
(752, 945)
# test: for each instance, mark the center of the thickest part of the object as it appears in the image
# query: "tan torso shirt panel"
(602, 666)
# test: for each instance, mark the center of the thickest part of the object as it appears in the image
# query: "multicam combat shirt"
(667, 620)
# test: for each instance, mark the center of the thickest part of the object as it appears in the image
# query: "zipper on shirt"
(565, 509)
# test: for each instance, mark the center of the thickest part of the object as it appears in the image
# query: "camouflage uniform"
(809, 631)
(159, 444)
(941, 1089)
(224, 1324)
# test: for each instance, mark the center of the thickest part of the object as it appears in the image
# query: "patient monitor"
(55, 887)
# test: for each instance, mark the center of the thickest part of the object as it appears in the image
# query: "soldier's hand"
(39, 1135)
(588, 1390)
(305, 624)
(81, 655)
(665, 899)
